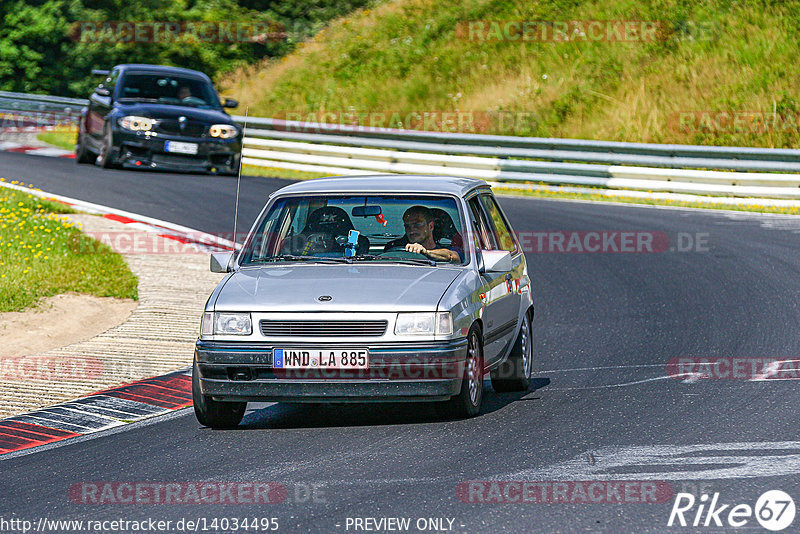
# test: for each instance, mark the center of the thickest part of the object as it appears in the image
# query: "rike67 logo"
(774, 510)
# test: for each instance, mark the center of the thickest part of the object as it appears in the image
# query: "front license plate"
(180, 148)
(321, 359)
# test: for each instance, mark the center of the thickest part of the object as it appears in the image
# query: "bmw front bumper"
(138, 151)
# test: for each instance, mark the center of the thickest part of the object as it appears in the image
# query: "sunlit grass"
(287, 174)
(62, 139)
(406, 56)
(42, 254)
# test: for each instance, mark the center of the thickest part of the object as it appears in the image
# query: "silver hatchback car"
(368, 288)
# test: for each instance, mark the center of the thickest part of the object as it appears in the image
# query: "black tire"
(106, 157)
(468, 401)
(211, 413)
(82, 154)
(515, 373)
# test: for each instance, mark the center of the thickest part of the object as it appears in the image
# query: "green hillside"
(721, 73)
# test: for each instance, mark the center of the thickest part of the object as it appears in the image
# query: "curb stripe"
(205, 242)
(33, 436)
(21, 148)
(126, 407)
(40, 430)
(15, 442)
(119, 218)
(154, 400)
(100, 411)
(53, 422)
(37, 150)
(46, 435)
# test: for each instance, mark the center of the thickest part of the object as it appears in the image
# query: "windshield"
(169, 89)
(427, 230)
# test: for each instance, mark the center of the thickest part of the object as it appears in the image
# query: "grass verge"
(65, 139)
(43, 254)
(287, 174)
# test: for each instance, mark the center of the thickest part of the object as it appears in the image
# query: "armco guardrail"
(27, 110)
(345, 149)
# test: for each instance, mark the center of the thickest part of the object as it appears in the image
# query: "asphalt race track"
(604, 409)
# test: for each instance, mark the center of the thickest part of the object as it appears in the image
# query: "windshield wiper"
(414, 261)
(292, 257)
(139, 99)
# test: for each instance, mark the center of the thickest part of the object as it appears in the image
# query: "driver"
(419, 222)
(184, 92)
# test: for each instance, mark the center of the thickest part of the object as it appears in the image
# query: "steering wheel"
(402, 254)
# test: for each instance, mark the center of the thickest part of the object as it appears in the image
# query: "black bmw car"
(157, 117)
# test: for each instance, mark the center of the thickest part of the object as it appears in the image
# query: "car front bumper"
(137, 151)
(419, 371)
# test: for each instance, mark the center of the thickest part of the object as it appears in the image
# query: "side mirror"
(496, 261)
(230, 103)
(221, 262)
(102, 91)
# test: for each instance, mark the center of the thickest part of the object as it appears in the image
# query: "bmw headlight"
(137, 124)
(223, 131)
(226, 324)
(412, 324)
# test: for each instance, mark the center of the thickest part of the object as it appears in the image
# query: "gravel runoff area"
(158, 336)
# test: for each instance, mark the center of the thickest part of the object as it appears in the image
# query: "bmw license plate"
(180, 148)
(321, 359)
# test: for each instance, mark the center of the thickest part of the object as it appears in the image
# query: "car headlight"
(137, 124)
(412, 324)
(223, 131)
(226, 324)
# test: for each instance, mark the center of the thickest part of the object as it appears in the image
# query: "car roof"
(386, 183)
(144, 67)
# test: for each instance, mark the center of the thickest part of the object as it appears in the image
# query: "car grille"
(273, 328)
(173, 127)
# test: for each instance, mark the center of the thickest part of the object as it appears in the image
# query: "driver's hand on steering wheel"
(416, 248)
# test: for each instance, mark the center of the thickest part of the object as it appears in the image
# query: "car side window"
(267, 236)
(483, 236)
(497, 223)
